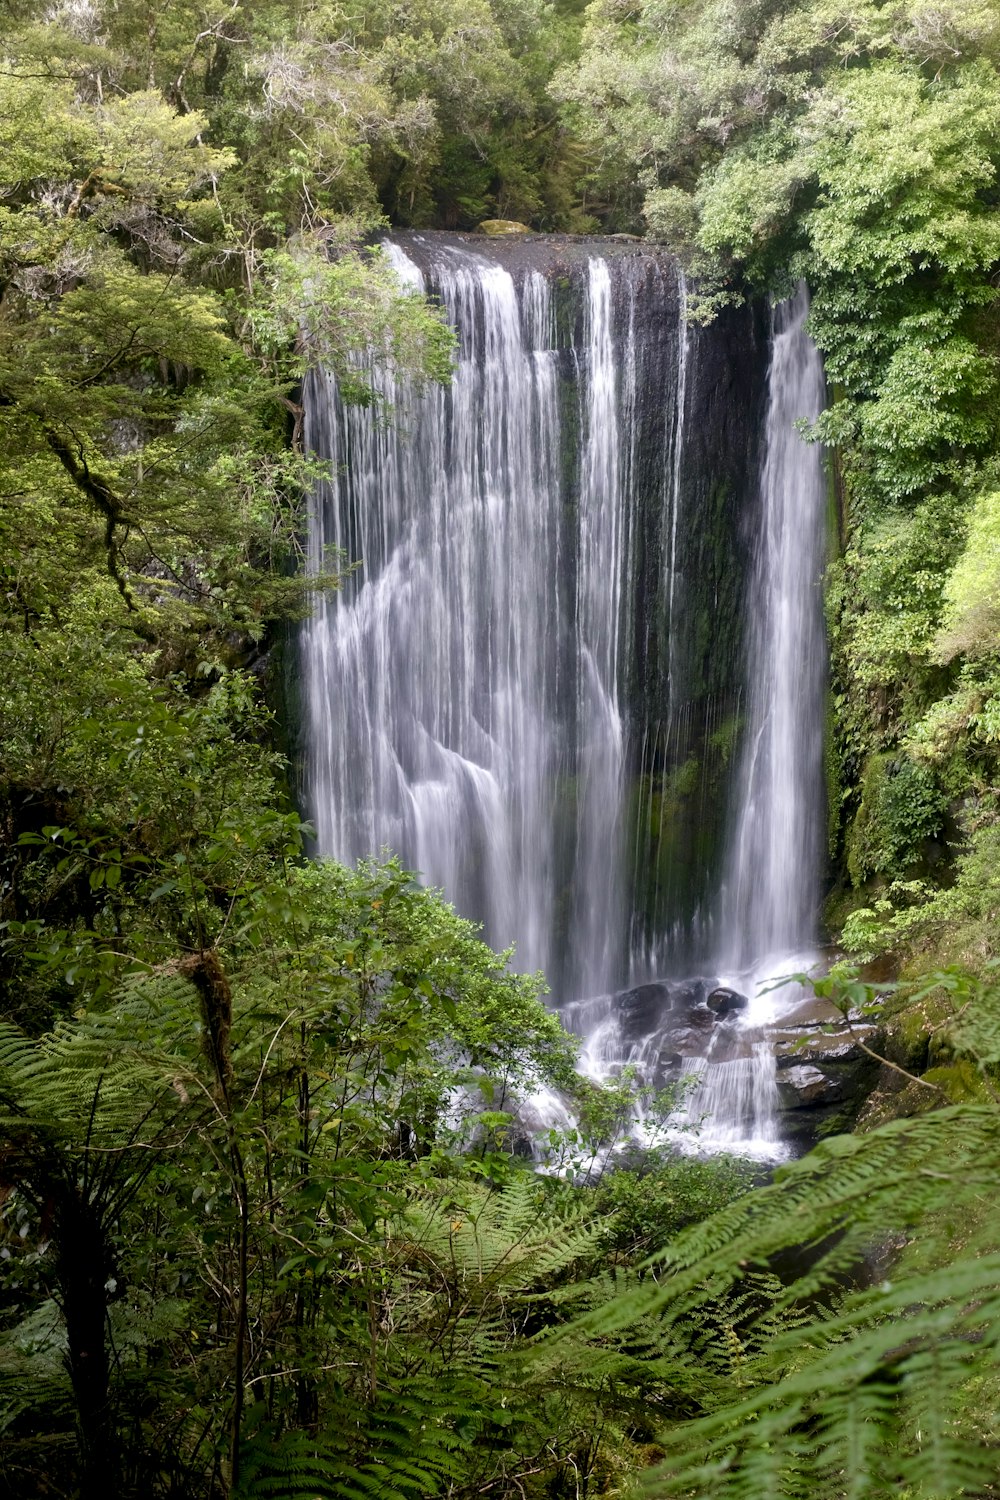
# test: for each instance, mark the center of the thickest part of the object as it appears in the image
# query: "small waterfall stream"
(771, 891)
(604, 516)
(770, 896)
(765, 924)
(575, 678)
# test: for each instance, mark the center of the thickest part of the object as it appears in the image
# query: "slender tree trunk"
(205, 971)
(83, 1268)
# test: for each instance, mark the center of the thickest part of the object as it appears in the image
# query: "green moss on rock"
(960, 1082)
(496, 227)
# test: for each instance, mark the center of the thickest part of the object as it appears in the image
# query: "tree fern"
(516, 1238)
(847, 1387)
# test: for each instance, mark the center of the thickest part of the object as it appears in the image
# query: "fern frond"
(33, 1374)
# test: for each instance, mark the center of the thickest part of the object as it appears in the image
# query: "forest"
(266, 1226)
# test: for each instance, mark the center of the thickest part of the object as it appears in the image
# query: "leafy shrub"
(902, 807)
(971, 624)
(646, 1208)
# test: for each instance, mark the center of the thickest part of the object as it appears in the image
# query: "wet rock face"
(668, 1061)
(805, 1087)
(675, 1011)
(724, 1001)
(815, 1045)
(818, 1050)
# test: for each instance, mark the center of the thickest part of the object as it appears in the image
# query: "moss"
(495, 227)
(904, 1032)
(959, 1081)
(901, 810)
(724, 740)
(686, 779)
(885, 1105)
(841, 902)
(833, 776)
(915, 1039)
(859, 832)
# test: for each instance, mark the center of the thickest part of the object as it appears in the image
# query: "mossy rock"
(497, 227)
(903, 1037)
(885, 1105)
(899, 816)
(959, 1081)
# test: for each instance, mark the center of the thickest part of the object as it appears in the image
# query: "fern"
(407, 1432)
(78, 1085)
(815, 1385)
(32, 1368)
(510, 1240)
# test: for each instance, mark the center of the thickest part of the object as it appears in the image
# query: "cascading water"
(673, 587)
(470, 691)
(532, 686)
(604, 516)
(770, 896)
(431, 681)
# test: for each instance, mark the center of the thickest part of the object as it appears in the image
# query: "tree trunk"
(83, 1268)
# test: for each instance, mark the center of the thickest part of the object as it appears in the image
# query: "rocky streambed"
(782, 1081)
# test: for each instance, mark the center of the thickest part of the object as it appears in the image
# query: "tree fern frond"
(33, 1373)
(849, 1194)
(516, 1238)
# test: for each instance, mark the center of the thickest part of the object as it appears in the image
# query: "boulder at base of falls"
(804, 1087)
(724, 1001)
(496, 227)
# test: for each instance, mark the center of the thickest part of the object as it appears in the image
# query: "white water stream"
(467, 692)
(430, 677)
(462, 690)
(765, 927)
(771, 893)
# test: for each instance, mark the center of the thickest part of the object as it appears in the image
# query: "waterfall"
(676, 494)
(467, 690)
(765, 921)
(770, 896)
(431, 677)
(603, 518)
(574, 674)
(772, 882)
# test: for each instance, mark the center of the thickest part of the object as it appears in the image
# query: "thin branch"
(260, 1075)
(911, 1077)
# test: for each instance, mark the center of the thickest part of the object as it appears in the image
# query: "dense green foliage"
(219, 1181)
(417, 108)
(858, 148)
